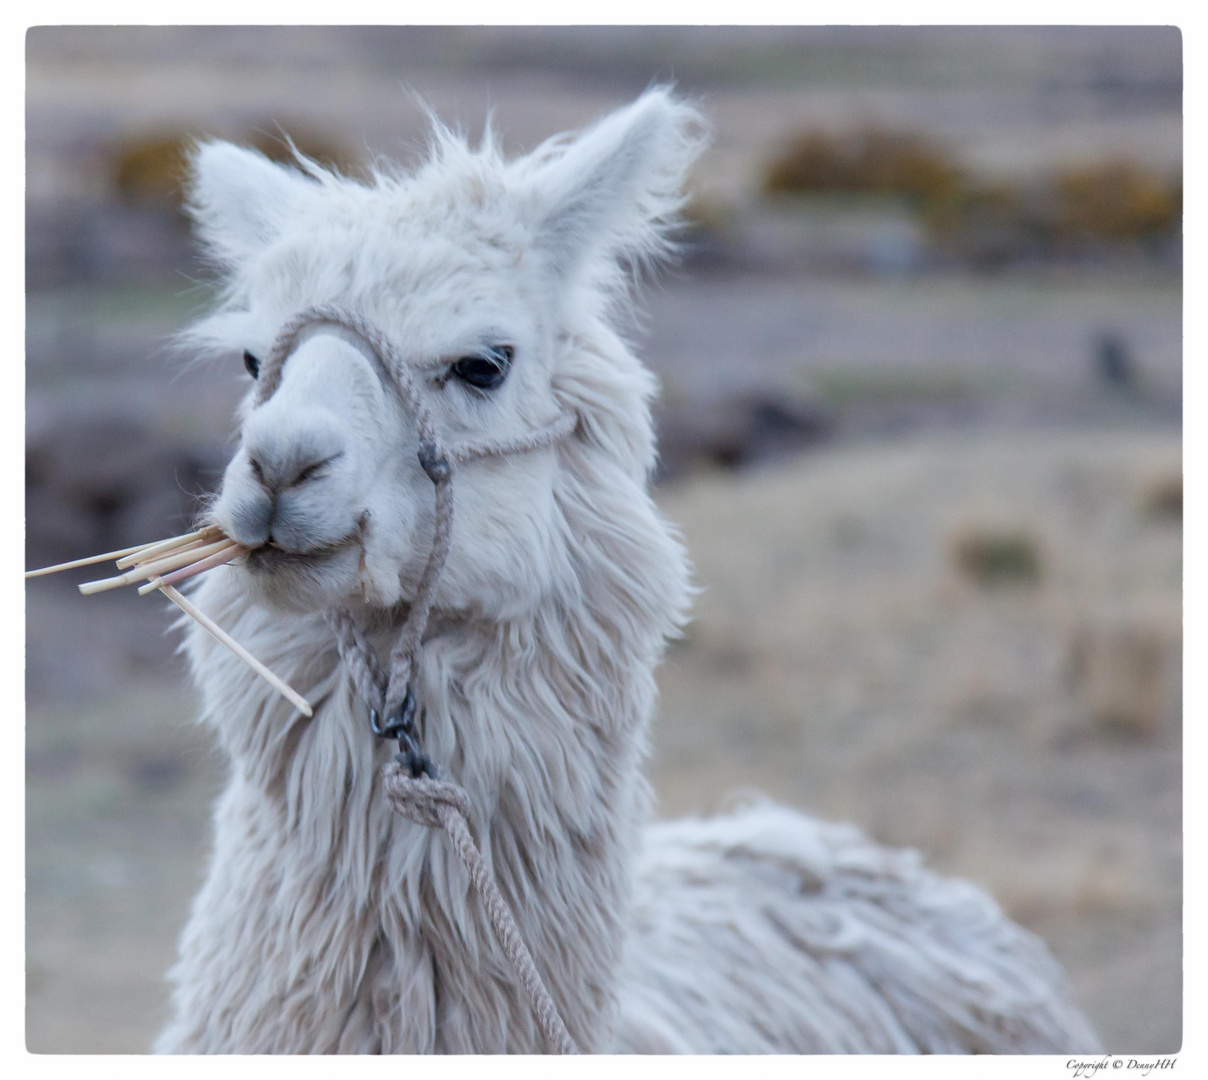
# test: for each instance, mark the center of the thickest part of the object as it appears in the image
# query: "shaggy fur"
(327, 923)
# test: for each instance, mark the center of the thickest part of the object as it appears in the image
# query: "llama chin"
(329, 924)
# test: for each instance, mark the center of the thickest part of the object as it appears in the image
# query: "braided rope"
(434, 802)
(540, 439)
(360, 660)
(428, 800)
(410, 638)
(270, 372)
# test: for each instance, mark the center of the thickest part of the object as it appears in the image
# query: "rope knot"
(434, 463)
(421, 798)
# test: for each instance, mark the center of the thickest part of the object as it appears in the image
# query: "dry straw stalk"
(166, 562)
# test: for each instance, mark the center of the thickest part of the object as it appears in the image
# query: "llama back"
(766, 931)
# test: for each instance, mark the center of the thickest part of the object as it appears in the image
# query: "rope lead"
(429, 801)
(413, 784)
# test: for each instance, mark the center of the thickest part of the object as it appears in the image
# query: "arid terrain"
(840, 661)
(935, 511)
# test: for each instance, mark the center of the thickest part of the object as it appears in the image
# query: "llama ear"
(614, 190)
(239, 199)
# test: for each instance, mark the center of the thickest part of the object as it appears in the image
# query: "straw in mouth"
(163, 564)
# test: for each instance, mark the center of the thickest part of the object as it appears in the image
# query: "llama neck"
(542, 721)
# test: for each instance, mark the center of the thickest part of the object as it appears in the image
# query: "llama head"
(495, 282)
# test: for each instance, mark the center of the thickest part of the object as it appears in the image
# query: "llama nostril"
(251, 521)
(257, 470)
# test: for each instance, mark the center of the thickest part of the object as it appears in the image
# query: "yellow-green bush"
(1113, 203)
(152, 168)
(1115, 200)
(149, 169)
(870, 161)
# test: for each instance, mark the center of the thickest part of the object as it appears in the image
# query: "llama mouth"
(268, 558)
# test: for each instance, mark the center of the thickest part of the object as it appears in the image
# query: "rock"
(736, 431)
(97, 479)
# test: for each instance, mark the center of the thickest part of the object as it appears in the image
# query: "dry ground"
(1025, 736)
(840, 661)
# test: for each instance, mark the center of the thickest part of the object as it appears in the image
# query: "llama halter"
(412, 781)
(389, 694)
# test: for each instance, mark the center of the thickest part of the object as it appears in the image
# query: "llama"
(483, 295)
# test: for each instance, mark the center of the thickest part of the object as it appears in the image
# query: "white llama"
(331, 923)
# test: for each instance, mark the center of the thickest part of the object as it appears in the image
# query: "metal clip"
(400, 725)
(435, 464)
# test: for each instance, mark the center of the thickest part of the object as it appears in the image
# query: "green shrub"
(995, 557)
(867, 161)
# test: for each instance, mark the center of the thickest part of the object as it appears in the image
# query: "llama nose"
(271, 504)
(279, 473)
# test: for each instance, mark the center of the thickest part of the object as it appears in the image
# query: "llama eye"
(485, 372)
(252, 364)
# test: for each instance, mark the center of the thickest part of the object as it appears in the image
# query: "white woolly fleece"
(329, 924)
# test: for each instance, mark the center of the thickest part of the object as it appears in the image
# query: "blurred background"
(922, 389)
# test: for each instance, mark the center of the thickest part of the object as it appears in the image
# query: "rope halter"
(389, 695)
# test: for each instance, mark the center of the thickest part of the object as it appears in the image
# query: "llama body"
(330, 924)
